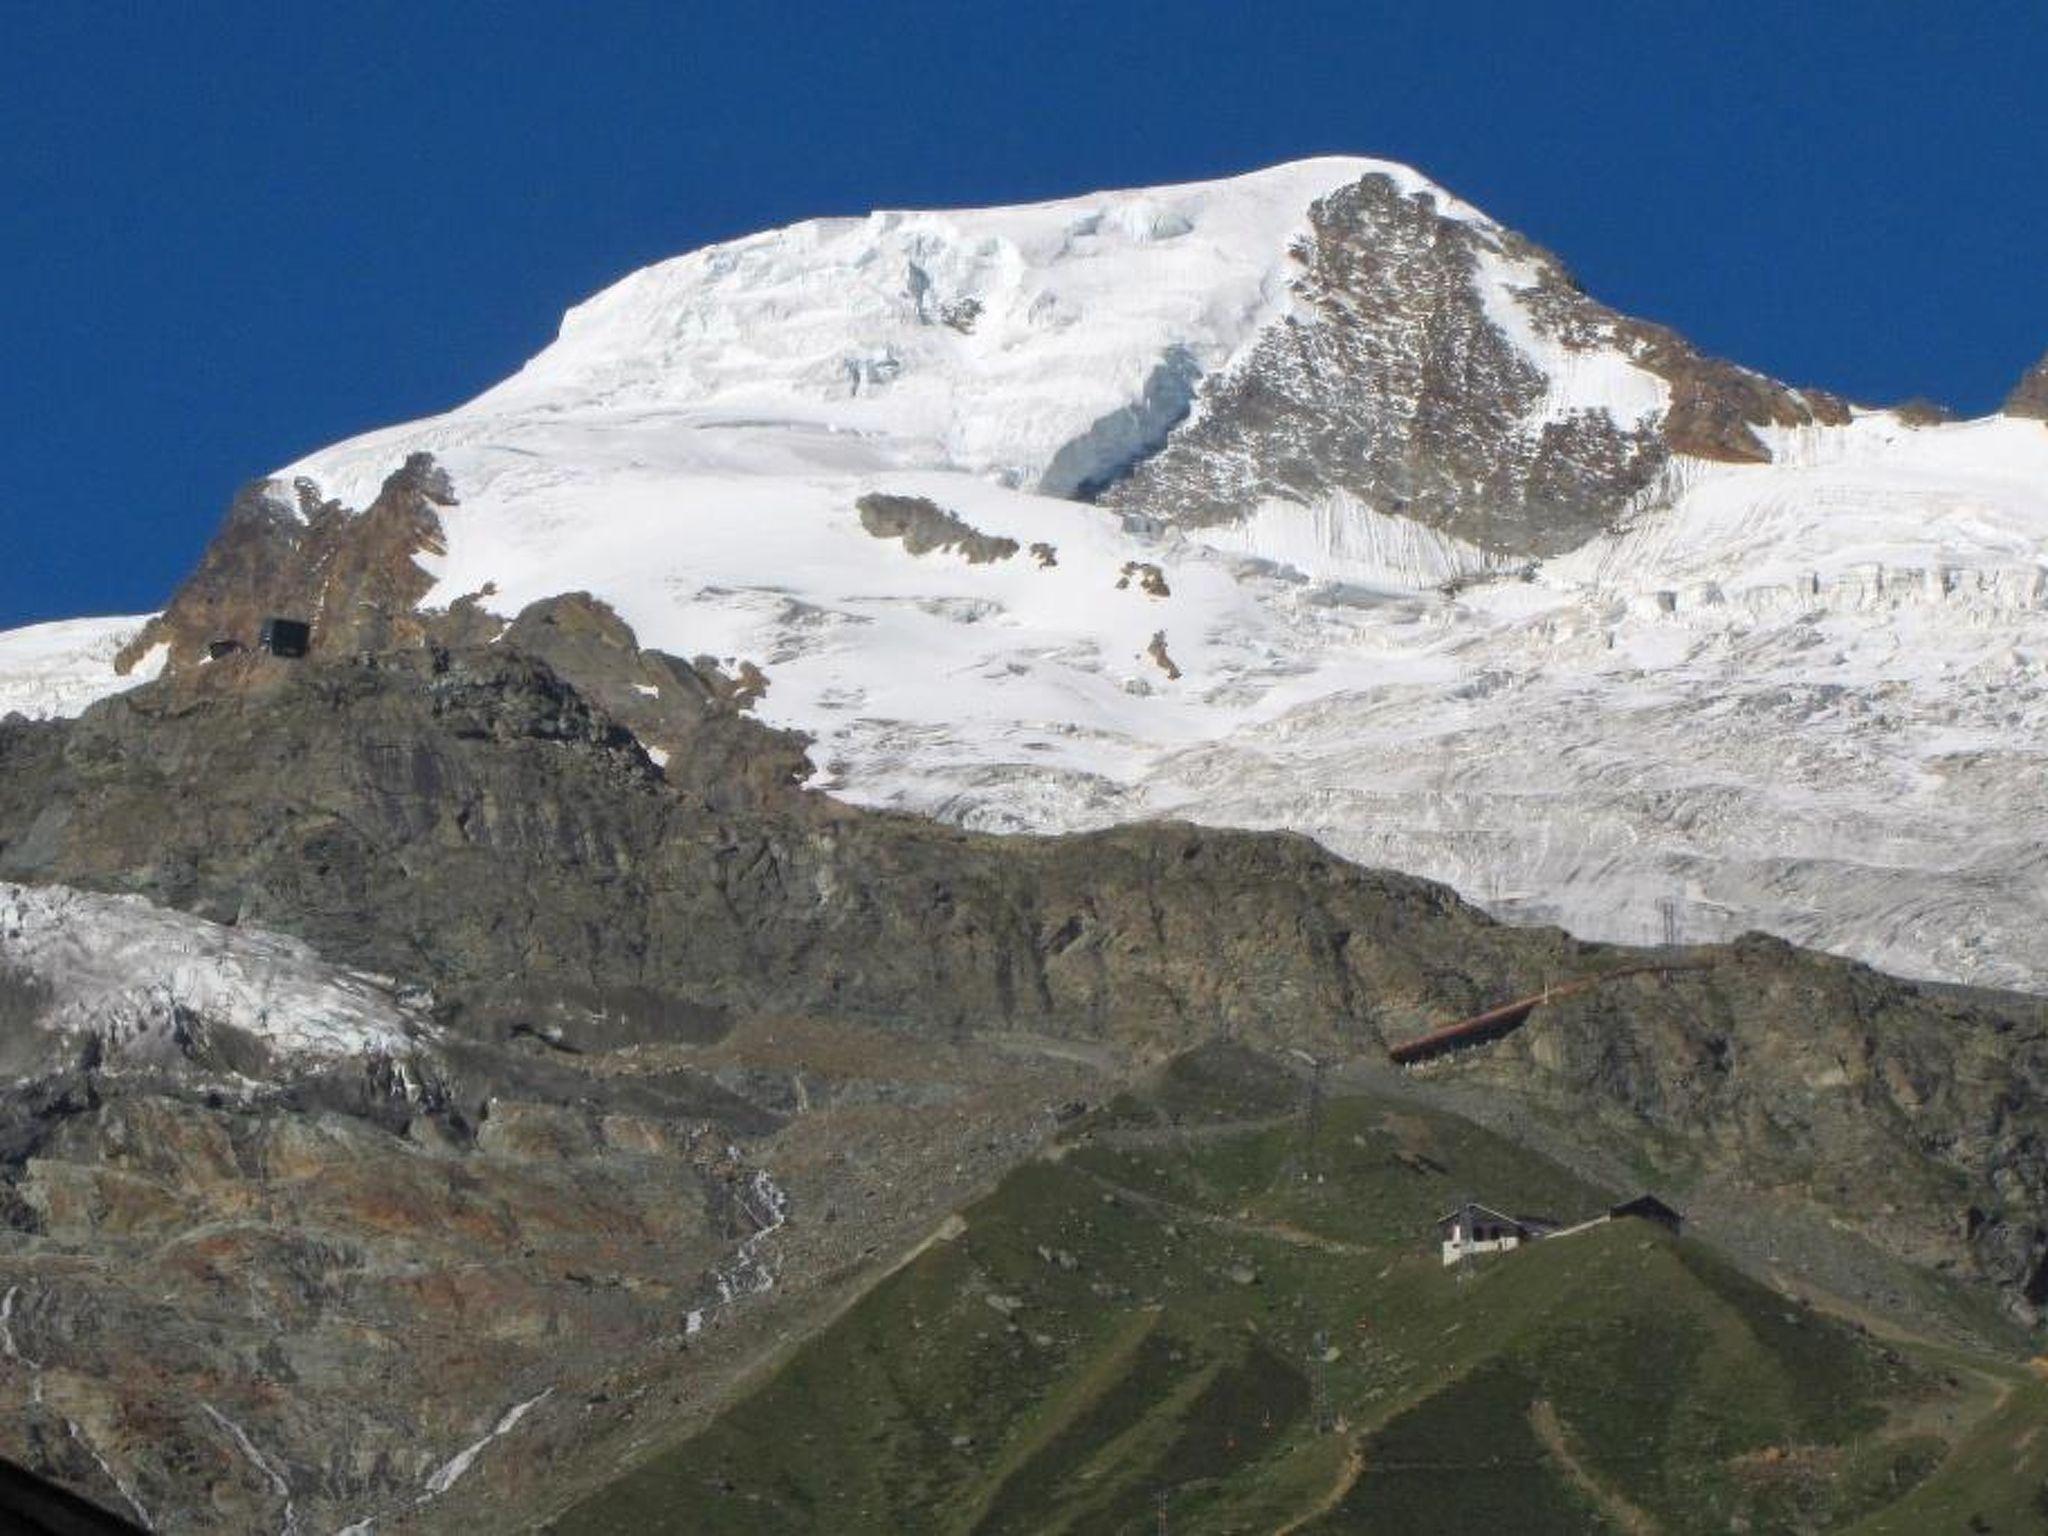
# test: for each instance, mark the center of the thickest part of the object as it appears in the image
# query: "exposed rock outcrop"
(1920, 411)
(1150, 578)
(2029, 397)
(1160, 658)
(1716, 407)
(923, 526)
(233, 1305)
(1397, 386)
(684, 713)
(353, 575)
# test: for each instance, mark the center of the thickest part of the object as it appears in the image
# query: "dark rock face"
(1799, 1074)
(2029, 397)
(1396, 387)
(461, 817)
(923, 526)
(689, 711)
(227, 1314)
(352, 575)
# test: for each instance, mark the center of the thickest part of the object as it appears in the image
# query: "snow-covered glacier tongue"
(149, 986)
(1311, 498)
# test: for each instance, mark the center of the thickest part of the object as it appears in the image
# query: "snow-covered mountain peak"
(1310, 498)
(990, 340)
(992, 300)
(1336, 326)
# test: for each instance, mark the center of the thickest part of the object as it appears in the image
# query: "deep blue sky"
(236, 232)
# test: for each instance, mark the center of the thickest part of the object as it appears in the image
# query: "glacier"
(57, 669)
(143, 980)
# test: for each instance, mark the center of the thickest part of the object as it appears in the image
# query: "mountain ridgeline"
(540, 1016)
(469, 818)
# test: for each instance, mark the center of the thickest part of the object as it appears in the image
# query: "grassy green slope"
(1218, 1324)
(1995, 1480)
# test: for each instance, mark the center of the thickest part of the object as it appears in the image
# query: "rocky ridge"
(1426, 373)
(352, 574)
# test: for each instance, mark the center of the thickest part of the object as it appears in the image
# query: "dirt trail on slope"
(1626, 1516)
(1276, 1231)
(1347, 1479)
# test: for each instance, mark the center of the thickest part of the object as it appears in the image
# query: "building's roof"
(1645, 1203)
(1474, 1205)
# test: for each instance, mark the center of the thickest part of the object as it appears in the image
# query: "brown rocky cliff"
(1393, 384)
(2029, 397)
(1716, 406)
(354, 576)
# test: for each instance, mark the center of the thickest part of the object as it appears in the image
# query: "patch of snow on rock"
(1577, 380)
(141, 978)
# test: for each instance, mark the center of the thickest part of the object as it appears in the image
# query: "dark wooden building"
(1647, 1207)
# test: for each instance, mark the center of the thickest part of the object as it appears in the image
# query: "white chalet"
(1475, 1228)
